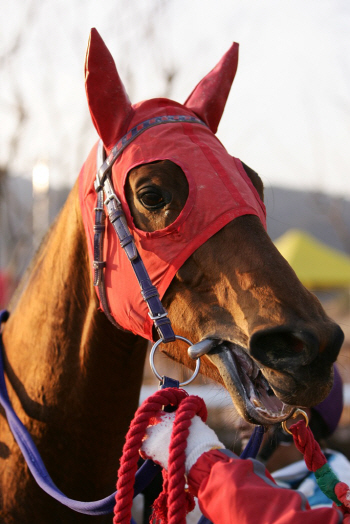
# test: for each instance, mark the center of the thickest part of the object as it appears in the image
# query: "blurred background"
(288, 117)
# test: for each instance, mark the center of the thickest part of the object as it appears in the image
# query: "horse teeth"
(257, 403)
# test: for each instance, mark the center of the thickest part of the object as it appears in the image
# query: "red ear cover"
(109, 105)
(208, 99)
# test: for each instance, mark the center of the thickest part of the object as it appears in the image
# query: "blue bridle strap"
(252, 448)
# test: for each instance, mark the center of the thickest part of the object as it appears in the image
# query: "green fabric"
(327, 479)
(317, 265)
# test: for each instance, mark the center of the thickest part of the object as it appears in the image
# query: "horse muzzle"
(283, 368)
(297, 365)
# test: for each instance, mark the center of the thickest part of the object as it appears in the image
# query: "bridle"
(104, 187)
(106, 196)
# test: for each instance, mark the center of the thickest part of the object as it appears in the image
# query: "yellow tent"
(317, 265)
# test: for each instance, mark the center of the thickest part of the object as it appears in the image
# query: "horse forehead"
(211, 172)
(188, 145)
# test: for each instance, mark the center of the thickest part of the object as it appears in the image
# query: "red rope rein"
(307, 445)
(173, 503)
(187, 409)
(315, 460)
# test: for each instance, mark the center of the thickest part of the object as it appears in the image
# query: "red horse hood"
(219, 191)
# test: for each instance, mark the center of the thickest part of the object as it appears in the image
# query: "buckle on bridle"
(158, 316)
(111, 197)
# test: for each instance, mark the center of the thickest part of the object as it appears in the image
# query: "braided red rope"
(314, 458)
(129, 459)
(343, 493)
(173, 503)
(307, 445)
(179, 503)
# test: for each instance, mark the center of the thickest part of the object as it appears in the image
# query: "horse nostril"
(331, 351)
(296, 345)
(281, 348)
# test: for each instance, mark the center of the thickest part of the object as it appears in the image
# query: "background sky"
(288, 115)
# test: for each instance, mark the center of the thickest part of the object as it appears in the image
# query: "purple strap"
(252, 448)
(144, 476)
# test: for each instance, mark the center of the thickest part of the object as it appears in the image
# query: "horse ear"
(209, 97)
(109, 105)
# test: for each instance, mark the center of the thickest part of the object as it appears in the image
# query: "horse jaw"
(248, 388)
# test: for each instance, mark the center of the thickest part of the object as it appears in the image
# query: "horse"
(74, 354)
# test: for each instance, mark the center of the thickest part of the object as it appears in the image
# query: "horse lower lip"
(249, 398)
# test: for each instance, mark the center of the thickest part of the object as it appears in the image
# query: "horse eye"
(152, 199)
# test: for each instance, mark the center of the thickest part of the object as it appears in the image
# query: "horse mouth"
(249, 389)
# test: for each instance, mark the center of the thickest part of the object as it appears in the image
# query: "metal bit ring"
(295, 414)
(151, 361)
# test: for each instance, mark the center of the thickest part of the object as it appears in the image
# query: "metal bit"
(202, 348)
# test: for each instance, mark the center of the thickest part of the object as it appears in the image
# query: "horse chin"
(249, 389)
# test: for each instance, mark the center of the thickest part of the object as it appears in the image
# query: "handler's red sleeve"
(235, 491)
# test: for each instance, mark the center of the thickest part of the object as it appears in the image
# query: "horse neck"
(63, 358)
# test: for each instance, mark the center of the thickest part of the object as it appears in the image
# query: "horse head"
(198, 220)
